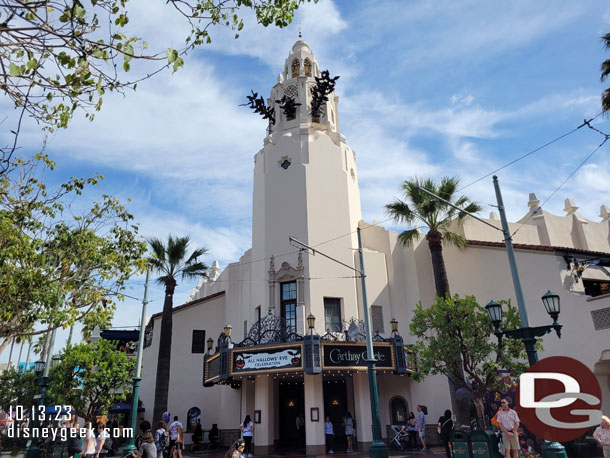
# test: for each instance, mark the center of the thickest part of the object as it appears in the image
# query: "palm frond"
(606, 40)
(448, 187)
(605, 68)
(400, 211)
(196, 254)
(158, 248)
(606, 100)
(409, 237)
(453, 238)
(197, 269)
(176, 250)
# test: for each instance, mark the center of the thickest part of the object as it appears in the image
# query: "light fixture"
(551, 304)
(210, 344)
(494, 310)
(55, 360)
(228, 329)
(394, 324)
(311, 322)
(335, 402)
(39, 367)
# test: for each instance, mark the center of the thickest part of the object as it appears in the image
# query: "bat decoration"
(325, 85)
(288, 106)
(257, 104)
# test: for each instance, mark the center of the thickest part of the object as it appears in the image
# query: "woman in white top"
(602, 435)
(90, 449)
(247, 432)
(102, 435)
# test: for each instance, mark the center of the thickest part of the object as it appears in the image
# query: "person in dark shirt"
(444, 428)
(74, 443)
(213, 437)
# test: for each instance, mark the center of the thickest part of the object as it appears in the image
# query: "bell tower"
(305, 186)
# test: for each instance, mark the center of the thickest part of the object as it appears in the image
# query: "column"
(362, 410)
(314, 430)
(263, 401)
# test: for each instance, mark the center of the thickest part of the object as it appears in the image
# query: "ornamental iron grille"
(269, 330)
(352, 331)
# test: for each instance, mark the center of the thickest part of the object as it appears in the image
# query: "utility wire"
(606, 138)
(514, 161)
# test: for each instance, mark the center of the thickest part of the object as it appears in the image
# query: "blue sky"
(427, 88)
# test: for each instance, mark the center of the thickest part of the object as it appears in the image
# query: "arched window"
(307, 67)
(193, 415)
(295, 68)
(399, 411)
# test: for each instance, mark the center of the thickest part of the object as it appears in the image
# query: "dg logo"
(559, 399)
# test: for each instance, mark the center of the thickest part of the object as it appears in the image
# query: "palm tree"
(171, 261)
(437, 217)
(605, 73)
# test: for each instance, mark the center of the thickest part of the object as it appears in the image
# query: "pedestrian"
(147, 448)
(74, 442)
(247, 432)
(175, 450)
(101, 437)
(236, 450)
(420, 426)
(330, 436)
(412, 423)
(508, 422)
(90, 450)
(445, 426)
(602, 435)
(348, 423)
(161, 439)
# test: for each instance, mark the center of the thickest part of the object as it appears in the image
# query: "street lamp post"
(131, 443)
(43, 381)
(378, 448)
(529, 334)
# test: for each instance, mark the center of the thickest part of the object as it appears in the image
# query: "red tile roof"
(524, 246)
(190, 304)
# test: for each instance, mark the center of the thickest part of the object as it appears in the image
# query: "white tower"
(305, 186)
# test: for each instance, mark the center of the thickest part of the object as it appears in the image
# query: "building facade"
(288, 373)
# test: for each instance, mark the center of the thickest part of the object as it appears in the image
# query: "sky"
(426, 89)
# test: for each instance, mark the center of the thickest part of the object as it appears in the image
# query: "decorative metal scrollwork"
(268, 330)
(352, 331)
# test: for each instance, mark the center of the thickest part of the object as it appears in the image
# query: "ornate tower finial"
(300, 34)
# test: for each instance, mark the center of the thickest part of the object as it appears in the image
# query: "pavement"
(434, 451)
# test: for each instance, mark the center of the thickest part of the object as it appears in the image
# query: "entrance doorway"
(335, 406)
(291, 406)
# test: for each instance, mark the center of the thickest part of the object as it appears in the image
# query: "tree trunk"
(441, 284)
(10, 353)
(70, 336)
(20, 352)
(45, 347)
(435, 243)
(27, 358)
(478, 402)
(165, 353)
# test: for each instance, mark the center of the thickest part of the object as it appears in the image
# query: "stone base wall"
(228, 436)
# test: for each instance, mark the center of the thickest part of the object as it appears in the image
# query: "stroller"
(401, 437)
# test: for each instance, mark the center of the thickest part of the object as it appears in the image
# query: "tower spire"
(300, 34)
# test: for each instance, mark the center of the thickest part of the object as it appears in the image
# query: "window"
(192, 418)
(377, 318)
(399, 411)
(295, 68)
(307, 67)
(595, 288)
(288, 301)
(332, 313)
(198, 345)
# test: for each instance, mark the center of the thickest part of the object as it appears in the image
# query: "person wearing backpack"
(162, 439)
(444, 428)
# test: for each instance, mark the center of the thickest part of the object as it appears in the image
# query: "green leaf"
(172, 55)
(15, 70)
(32, 64)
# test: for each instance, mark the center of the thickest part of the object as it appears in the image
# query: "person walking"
(90, 450)
(445, 426)
(174, 446)
(421, 426)
(508, 422)
(74, 442)
(147, 448)
(412, 423)
(348, 423)
(236, 450)
(247, 432)
(101, 438)
(602, 435)
(329, 431)
(161, 439)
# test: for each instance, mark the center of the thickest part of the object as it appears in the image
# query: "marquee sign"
(273, 359)
(353, 355)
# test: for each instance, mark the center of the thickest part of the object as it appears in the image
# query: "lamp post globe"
(551, 304)
(311, 322)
